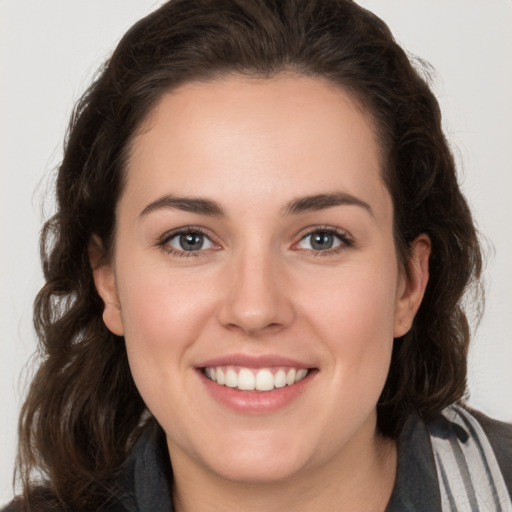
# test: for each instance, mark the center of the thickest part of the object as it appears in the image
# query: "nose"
(257, 299)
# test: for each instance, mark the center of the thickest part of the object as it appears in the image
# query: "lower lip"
(256, 402)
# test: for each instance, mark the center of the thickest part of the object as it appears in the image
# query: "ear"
(412, 285)
(105, 282)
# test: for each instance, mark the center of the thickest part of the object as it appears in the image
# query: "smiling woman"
(254, 279)
(251, 272)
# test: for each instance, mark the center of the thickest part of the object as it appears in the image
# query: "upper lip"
(248, 361)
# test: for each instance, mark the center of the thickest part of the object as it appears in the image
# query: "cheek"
(160, 306)
(359, 300)
(163, 315)
(353, 315)
(349, 313)
(163, 318)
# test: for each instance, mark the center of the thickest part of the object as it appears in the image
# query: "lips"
(255, 385)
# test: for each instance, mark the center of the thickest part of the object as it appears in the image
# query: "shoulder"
(12, 507)
(499, 435)
(42, 499)
(473, 456)
(48, 504)
(18, 505)
(142, 482)
(461, 456)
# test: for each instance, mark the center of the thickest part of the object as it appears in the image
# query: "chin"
(259, 469)
(257, 458)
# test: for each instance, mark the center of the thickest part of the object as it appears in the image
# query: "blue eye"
(323, 240)
(189, 241)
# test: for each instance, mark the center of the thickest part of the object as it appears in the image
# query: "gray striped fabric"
(468, 473)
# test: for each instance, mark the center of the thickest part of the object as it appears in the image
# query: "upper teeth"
(249, 379)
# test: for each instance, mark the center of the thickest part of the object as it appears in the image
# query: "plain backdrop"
(50, 50)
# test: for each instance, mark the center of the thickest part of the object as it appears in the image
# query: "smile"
(253, 379)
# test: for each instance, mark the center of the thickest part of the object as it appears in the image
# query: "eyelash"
(340, 235)
(165, 239)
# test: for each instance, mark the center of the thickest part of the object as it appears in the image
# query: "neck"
(364, 483)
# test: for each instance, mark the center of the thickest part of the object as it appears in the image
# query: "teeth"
(280, 379)
(231, 379)
(246, 379)
(301, 374)
(264, 380)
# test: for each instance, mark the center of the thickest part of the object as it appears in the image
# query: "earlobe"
(413, 286)
(105, 282)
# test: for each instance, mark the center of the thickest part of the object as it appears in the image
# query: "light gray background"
(50, 50)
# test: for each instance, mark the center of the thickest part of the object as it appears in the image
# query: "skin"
(257, 287)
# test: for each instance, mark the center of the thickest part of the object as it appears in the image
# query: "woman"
(254, 279)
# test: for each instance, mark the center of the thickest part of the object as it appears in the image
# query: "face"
(254, 276)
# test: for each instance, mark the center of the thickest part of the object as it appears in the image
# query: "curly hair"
(83, 411)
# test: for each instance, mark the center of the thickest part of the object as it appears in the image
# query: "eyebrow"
(304, 204)
(323, 201)
(186, 204)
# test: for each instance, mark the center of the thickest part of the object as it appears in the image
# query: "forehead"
(256, 139)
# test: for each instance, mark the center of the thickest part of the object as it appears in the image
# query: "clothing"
(417, 485)
(467, 470)
(147, 473)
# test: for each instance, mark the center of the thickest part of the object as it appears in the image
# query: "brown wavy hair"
(83, 411)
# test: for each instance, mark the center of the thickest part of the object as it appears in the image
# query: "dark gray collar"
(147, 473)
(416, 486)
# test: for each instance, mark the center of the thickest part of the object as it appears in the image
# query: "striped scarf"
(469, 477)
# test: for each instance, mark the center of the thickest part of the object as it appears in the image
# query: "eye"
(323, 240)
(188, 241)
